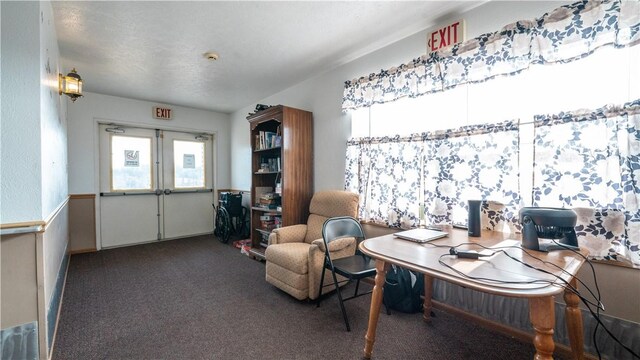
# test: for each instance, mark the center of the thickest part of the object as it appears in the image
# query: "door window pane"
(130, 163)
(188, 164)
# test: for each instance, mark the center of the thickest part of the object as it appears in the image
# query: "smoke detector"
(211, 56)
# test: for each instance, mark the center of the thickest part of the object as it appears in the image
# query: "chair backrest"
(327, 204)
(339, 228)
(232, 202)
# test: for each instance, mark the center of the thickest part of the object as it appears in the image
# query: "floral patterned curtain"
(439, 170)
(590, 161)
(565, 34)
(479, 162)
(387, 172)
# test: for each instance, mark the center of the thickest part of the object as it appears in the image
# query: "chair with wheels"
(229, 209)
(222, 222)
(232, 202)
(355, 267)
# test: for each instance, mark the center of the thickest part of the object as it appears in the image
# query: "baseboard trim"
(55, 329)
(519, 335)
(82, 251)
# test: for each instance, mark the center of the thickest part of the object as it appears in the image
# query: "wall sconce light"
(70, 85)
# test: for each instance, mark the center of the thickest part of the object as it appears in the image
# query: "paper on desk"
(502, 271)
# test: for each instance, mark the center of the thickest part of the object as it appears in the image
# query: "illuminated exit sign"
(447, 36)
(162, 113)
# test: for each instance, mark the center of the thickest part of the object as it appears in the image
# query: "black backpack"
(402, 290)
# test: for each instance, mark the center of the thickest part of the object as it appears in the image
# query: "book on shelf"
(264, 239)
(270, 216)
(270, 200)
(271, 204)
(261, 190)
(270, 196)
(274, 202)
(267, 140)
(267, 206)
(269, 164)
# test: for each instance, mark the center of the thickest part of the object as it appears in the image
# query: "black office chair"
(354, 267)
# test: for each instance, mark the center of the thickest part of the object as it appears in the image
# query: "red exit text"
(446, 36)
(162, 113)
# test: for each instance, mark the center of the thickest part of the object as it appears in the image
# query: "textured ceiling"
(154, 50)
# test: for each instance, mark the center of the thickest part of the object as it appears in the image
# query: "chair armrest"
(288, 234)
(335, 245)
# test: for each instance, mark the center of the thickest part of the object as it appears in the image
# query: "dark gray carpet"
(199, 299)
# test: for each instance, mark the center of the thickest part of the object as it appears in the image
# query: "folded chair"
(353, 267)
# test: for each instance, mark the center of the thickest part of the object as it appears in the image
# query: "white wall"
(53, 124)
(322, 95)
(20, 178)
(34, 151)
(85, 113)
(53, 120)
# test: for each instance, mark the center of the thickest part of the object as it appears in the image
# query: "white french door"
(154, 185)
(188, 182)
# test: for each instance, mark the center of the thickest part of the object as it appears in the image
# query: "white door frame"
(97, 121)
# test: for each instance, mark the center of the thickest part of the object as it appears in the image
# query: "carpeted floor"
(199, 299)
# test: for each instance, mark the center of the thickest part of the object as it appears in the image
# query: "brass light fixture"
(70, 85)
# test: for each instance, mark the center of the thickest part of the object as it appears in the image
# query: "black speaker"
(473, 225)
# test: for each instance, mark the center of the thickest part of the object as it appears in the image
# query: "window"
(607, 76)
(130, 163)
(188, 164)
(590, 167)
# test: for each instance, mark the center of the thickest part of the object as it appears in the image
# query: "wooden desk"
(423, 258)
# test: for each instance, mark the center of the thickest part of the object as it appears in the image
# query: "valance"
(562, 35)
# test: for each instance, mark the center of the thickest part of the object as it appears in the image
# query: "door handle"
(167, 191)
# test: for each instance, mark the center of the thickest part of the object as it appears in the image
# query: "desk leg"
(374, 311)
(542, 314)
(428, 294)
(574, 322)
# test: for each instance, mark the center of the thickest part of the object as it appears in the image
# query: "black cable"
(575, 291)
(536, 281)
(595, 281)
(595, 315)
(599, 305)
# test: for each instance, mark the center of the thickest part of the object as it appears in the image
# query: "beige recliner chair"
(295, 254)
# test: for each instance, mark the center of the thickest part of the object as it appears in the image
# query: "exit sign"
(447, 36)
(162, 113)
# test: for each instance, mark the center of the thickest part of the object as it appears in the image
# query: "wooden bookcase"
(294, 170)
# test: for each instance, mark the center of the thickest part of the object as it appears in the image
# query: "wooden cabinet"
(281, 159)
